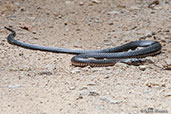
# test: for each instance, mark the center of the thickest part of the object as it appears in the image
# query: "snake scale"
(99, 57)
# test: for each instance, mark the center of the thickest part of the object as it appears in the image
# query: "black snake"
(99, 57)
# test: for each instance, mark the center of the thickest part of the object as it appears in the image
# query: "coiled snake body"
(101, 57)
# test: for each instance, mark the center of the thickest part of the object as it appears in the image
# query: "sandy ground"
(34, 82)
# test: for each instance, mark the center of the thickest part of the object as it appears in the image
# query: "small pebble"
(87, 68)
(107, 42)
(149, 34)
(100, 107)
(12, 17)
(79, 97)
(153, 4)
(98, 21)
(91, 84)
(72, 88)
(92, 76)
(93, 93)
(142, 67)
(68, 2)
(112, 12)
(168, 61)
(104, 98)
(158, 8)
(75, 71)
(147, 90)
(45, 73)
(17, 4)
(167, 66)
(14, 86)
(83, 92)
(81, 3)
(96, 1)
(32, 18)
(168, 94)
(163, 40)
(133, 8)
(166, 30)
(49, 66)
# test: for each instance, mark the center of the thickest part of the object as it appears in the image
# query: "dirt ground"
(34, 82)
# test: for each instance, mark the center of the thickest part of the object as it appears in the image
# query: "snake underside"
(99, 57)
